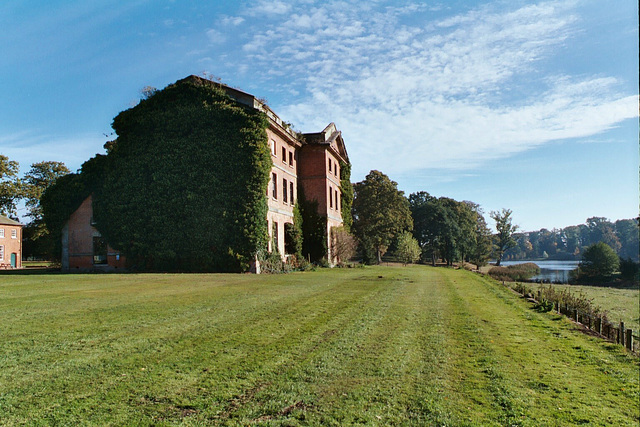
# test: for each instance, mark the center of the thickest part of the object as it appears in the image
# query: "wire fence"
(585, 315)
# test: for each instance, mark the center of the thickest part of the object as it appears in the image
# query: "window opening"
(274, 187)
(99, 250)
(284, 190)
(275, 237)
(330, 198)
(291, 198)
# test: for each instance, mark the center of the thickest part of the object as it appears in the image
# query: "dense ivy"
(184, 186)
(314, 229)
(293, 233)
(346, 188)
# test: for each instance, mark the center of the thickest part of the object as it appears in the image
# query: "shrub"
(343, 245)
(271, 263)
(515, 272)
(599, 263)
(408, 250)
(629, 270)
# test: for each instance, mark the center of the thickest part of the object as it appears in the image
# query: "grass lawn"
(620, 304)
(376, 346)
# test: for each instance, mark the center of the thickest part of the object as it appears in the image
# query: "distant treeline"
(570, 242)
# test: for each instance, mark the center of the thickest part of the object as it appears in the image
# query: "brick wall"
(11, 242)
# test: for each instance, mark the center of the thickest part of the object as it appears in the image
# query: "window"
(284, 190)
(274, 186)
(290, 158)
(291, 199)
(1, 232)
(275, 237)
(273, 147)
(14, 234)
(284, 155)
(330, 198)
(1, 253)
(330, 165)
(337, 207)
(99, 250)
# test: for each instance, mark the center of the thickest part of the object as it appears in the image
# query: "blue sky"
(531, 106)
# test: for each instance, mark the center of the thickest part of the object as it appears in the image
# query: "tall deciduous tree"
(36, 181)
(427, 216)
(504, 239)
(380, 212)
(9, 186)
(481, 250)
(38, 241)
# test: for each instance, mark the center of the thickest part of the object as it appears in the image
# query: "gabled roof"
(330, 137)
(6, 221)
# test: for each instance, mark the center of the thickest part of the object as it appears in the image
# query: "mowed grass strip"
(376, 346)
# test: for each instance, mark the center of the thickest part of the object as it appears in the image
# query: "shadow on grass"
(30, 271)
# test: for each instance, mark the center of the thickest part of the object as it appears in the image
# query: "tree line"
(570, 243)
(452, 231)
(442, 228)
(29, 189)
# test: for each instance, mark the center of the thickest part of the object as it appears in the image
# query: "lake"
(554, 271)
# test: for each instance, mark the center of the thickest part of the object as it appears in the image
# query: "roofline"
(8, 221)
(248, 100)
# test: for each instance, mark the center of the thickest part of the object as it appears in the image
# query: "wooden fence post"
(629, 339)
(575, 314)
(558, 307)
(599, 325)
(621, 333)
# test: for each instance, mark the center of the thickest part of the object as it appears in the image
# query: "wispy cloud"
(268, 7)
(215, 36)
(32, 147)
(412, 90)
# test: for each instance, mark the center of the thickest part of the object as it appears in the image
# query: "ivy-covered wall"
(183, 186)
(346, 188)
(314, 228)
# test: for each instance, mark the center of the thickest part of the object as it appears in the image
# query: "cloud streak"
(413, 91)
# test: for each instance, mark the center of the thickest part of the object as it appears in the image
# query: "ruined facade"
(310, 162)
